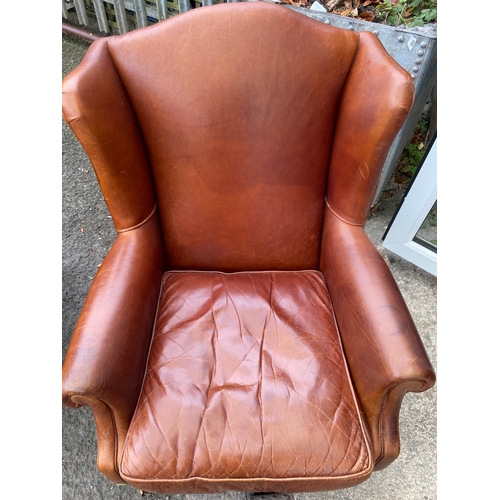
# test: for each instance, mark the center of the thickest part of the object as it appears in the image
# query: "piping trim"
(341, 218)
(140, 223)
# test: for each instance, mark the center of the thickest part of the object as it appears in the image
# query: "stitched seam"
(153, 331)
(366, 441)
(382, 413)
(366, 469)
(381, 425)
(341, 218)
(366, 472)
(115, 428)
(332, 148)
(140, 223)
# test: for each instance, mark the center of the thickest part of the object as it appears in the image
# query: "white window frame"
(418, 201)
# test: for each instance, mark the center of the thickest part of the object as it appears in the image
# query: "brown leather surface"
(106, 436)
(106, 358)
(377, 98)
(382, 345)
(243, 118)
(238, 131)
(245, 379)
(98, 111)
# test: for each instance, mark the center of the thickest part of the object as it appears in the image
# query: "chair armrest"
(384, 351)
(105, 362)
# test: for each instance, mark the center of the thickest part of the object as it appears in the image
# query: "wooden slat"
(64, 10)
(121, 16)
(184, 5)
(162, 9)
(140, 13)
(102, 19)
(81, 12)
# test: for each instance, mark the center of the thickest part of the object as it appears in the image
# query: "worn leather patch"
(246, 378)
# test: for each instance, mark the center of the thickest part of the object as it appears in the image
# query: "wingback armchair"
(243, 333)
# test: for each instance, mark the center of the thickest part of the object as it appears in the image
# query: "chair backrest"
(239, 107)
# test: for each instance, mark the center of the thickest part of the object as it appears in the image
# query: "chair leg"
(251, 496)
(270, 496)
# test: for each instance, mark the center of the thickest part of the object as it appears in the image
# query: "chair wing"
(99, 112)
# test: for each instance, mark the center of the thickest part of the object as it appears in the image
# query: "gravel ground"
(87, 236)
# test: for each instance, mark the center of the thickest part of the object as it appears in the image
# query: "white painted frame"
(416, 205)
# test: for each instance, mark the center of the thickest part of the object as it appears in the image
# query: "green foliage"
(433, 217)
(408, 12)
(414, 152)
(431, 222)
(414, 156)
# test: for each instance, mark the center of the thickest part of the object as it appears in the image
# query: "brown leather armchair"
(243, 333)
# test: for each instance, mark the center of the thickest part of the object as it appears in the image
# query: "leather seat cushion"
(246, 388)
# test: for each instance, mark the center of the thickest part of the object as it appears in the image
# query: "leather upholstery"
(242, 333)
(251, 158)
(373, 109)
(382, 346)
(245, 379)
(94, 102)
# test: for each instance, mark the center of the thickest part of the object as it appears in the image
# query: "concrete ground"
(87, 236)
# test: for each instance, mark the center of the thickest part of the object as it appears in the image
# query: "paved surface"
(87, 236)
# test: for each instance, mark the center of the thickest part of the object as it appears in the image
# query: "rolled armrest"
(384, 351)
(105, 362)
